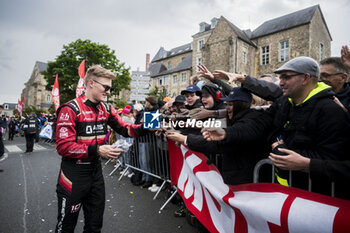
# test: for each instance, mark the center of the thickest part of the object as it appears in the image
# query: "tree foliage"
(67, 63)
(160, 93)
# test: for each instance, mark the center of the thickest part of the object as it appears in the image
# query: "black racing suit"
(81, 126)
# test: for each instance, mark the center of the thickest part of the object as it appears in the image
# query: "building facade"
(302, 33)
(34, 91)
(223, 46)
(171, 70)
(140, 85)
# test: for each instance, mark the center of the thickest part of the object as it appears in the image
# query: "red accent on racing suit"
(80, 127)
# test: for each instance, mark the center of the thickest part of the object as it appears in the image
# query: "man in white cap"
(305, 120)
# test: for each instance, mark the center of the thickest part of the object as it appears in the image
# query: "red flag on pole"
(20, 107)
(81, 72)
(56, 93)
(23, 101)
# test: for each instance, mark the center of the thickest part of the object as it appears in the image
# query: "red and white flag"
(250, 208)
(80, 88)
(56, 93)
(23, 102)
(20, 107)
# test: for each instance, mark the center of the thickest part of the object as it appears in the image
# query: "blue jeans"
(144, 160)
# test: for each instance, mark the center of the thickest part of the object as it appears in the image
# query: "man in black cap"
(193, 94)
(305, 120)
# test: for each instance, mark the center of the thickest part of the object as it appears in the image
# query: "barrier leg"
(160, 189)
(171, 197)
(116, 167)
(107, 161)
(125, 170)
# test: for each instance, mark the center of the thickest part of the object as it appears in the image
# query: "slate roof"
(42, 66)
(285, 22)
(156, 68)
(11, 106)
(163, 54)
(159, 69)
(240, 34)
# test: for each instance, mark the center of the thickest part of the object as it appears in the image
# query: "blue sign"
(151, 120)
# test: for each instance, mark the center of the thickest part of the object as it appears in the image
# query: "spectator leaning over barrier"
(305, 119)
(81, 131)
(238, 160)
(193, 95)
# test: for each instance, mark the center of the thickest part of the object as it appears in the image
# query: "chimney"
(147, 61)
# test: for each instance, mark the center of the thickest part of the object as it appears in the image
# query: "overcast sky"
(36, 30)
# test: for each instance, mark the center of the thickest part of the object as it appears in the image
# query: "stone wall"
(319, 35)
(298, 38)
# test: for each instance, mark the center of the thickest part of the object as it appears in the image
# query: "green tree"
(67, 63)
(157, 92)
(30, 109)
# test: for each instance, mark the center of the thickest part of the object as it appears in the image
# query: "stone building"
(34, 92)
(222, 45)
(171, 70)
(302, 33)
(199, 39)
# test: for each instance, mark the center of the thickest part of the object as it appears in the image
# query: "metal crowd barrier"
(155, 156)
(268, 161)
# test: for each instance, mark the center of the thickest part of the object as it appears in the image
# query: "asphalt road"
(28, 199)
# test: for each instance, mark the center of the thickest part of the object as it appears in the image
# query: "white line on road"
(13, 148)
(25, 196)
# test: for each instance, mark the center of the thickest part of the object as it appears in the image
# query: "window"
(6, 106)
(48, 98)
(200, 44)
(284, 50)
(199, 62)
(183, 78)
(166, 80)
(160, 81)
(169, 65)
(244, 57)
(321, 51)
(265, 55)
(174, 79)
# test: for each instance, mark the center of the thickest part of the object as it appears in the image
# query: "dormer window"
(214, 21)
(202, 27)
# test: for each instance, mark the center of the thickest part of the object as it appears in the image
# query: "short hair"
(1, 106)
(98, 71)
(336, 62)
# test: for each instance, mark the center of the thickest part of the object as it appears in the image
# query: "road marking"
(13, 148)
(38, 147)
(25, 207)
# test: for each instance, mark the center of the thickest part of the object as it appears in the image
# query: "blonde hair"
(98, 71)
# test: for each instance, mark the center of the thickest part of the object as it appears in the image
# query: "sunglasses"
(287, 77)
(106, 87)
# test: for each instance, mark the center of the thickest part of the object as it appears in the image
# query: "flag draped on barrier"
(81, 82)
(251, 207)
(56, 93)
